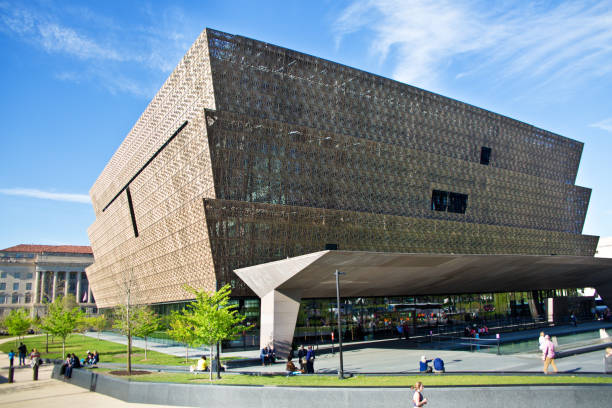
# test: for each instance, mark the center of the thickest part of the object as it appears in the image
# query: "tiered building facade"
(252, 153)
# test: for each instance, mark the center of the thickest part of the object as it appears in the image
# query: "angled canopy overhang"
(282, 284)
(386, 274)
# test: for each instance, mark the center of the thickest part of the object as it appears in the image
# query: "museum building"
(285, 167)
(32, 276)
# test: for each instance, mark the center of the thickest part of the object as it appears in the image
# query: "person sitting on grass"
(202, 365)
(87, 360)
(95, 358)
(424, 366)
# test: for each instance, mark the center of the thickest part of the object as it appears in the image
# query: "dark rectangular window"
(448, 201)
(457, 203)
(439, 200)
(485, 155)
(331, 247)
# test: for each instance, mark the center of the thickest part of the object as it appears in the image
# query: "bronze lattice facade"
(252, 153)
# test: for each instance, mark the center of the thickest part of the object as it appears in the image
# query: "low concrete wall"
(290, 397)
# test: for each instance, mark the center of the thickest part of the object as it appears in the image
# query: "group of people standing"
(306, 360)
(22, 351)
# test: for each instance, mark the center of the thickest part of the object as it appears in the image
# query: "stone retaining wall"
(290, 397)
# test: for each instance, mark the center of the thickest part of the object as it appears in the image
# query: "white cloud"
(55, 38)
(28, 192)
(568, 41)
(107, 48)
(52, 36)
(606, 125)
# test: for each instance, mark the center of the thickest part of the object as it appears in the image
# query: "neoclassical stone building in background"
(252, 153)
(31, 275)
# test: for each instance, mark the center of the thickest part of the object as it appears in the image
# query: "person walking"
(418, 399)
(310, 358)
(548, 354)
(23, 350)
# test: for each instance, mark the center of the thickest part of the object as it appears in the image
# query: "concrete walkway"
(152, 344)
(400, 356)
(49, 393)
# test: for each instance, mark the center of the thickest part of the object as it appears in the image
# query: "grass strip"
(374, 381)
(109, 352)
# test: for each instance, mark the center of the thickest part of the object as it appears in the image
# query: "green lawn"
(374, 381)
(109, 352)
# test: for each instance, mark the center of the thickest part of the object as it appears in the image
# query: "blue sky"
(77, 75)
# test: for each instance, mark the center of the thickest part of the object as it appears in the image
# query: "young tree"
(146, 323)
(181, 330)
(99, 323)
(212, 319)
(17, 323)
(62, 319)
(128, 287)
(83, 324)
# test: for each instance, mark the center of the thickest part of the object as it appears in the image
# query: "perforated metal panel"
(284, 153)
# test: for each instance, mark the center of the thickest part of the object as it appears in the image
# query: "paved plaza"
(384, 356)
(49, 393)
(399, 356)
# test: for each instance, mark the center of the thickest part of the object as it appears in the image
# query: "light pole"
(341, 371)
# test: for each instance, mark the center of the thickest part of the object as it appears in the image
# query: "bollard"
(35, 375)
(11, 374)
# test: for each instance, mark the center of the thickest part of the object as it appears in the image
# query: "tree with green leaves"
(17, 323)
(83, 325)
(99, 323)
(147, 322)
(62, 319)
(181, 330)
(212, 319)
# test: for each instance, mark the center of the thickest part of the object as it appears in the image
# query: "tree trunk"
(187, 354)
(218, 363)
(129, 353)
(64, 348)
(145, 347)
(210, 349)
(47, 344)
